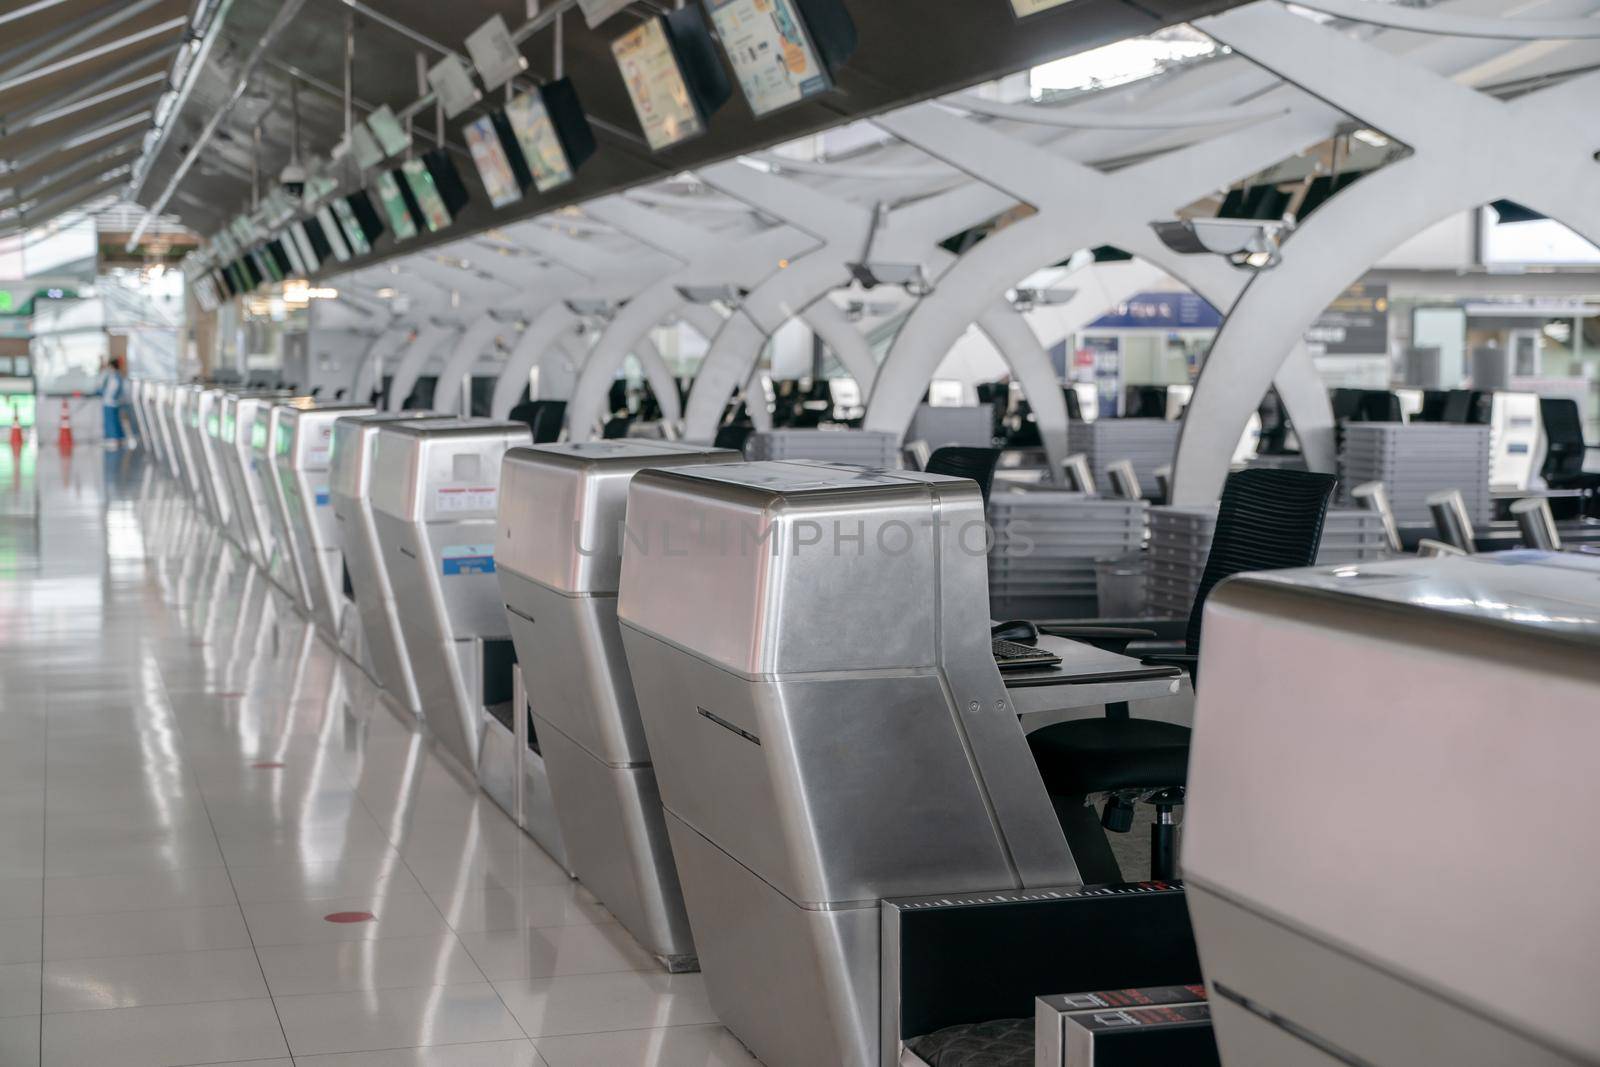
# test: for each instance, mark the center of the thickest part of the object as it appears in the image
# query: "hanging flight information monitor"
(771, 50)
(308, 255)
(673, 77)
(352, 231)
(552, 132)
(394, 206)
(385, 125)
(360, 218)
(488, 146)
(435, 187)
(331, 234)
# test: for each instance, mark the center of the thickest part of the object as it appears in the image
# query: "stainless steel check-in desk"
(265, 443)
(1389, 844)
(185, 399)
(303, 462)
(811, 653)
(166, 398)
(207, 428)
(558, 560)
(435, 489)
(238, 424)
(355, 439)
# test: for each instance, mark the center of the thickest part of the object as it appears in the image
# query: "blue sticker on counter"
(467, 559)
(322, 498)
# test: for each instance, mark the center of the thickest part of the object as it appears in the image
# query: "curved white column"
(542, 333)
(384, 346)
(1078, 207)
(1540, 160)
(1030, 365)
(430, 338)
(459, 364)
(660, 377)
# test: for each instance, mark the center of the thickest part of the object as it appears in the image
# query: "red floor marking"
(266, 765)
(232, 695)
(350, 917)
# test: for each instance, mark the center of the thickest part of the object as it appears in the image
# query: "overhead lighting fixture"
(1249, 244)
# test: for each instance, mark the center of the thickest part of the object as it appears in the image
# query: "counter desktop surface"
(1367, 881)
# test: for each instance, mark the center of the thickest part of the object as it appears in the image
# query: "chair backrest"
(1074, 403)
(734, 435)
(615, 428)
(1269, 519)
(543, 418)
(1563, 426)
(959, 462)
(1457, 406)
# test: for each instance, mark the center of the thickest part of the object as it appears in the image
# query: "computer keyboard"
(1015, 656)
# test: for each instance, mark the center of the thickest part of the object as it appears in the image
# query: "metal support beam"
(92, 54)
(38, 51)
(285, 15)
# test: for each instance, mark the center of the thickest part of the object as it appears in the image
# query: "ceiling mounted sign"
(451, 80)
(495, 54)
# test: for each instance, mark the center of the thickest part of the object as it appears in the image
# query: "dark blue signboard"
(1160, 311)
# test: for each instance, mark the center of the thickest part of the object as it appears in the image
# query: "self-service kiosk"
(355, 439)
(435, 491)
(205, 427)
(303, 464)
(266, 441)
(185, 401)
(239, 412)
(810, 650)
(1400, 870)
(558, 558)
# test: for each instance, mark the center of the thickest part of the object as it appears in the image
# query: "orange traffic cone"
(64, 437)
(16, 431)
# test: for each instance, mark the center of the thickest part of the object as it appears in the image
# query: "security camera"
(712, 294)
(1249, 244)
(910, 276)
(1024, 299)
(293, 180)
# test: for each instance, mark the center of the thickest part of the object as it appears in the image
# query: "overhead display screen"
(771, 52)
(359, 245)
(426, 194)
(1024, 8)
(308, 254)
(656, 85)
(494, 166)
(394, 206)
(536, 136)
(333, 234)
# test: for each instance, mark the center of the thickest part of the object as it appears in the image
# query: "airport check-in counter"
(558, 560)
(184, 401)
(265, 442)
(435, 488)
(355, 439)
(810, 650)
(166, 394)
(1401, 869)
(239, 412)
(207, 429)
(303, 464)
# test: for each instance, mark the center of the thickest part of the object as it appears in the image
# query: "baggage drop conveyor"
(558, 558)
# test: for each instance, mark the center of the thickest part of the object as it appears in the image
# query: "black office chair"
(734, 435)
(1074, 403)
(961, 462)
(615, 428)
(1269, 519)
(1457, 406)
(543, 418)
(1563, 464)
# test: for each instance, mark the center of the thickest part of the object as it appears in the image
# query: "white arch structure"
(707, 257)
(1078, 207)
(1542, 156)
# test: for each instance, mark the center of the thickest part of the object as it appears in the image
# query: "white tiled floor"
(162, 900)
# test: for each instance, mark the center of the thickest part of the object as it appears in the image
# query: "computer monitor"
(317, 238)
(501, 181)
(673, 77)
(354, 234)
(770, 48)
(551, 133)
(365, 215)
(392, 195)
(302, 243)
(278, 257)
(333, 234)
(435, 216)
